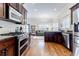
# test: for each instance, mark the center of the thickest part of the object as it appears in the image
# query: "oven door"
(14, 15)
(66, 38)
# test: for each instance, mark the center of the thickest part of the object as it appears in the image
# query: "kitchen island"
(54, 37)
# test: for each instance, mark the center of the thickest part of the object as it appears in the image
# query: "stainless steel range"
(22, 43)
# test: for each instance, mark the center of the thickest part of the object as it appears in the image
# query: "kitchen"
(13, 37)
(23, 25)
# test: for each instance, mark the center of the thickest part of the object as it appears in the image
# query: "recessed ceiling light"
(54, 9)
(44, 16)
(35, 10)
(33, 3)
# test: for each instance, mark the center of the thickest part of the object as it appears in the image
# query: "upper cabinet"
(20, 8)
(14, 11)
(14, 5)
(75, 14)
(75, 17)
(23, 11)
(25, 14)
(2, 10)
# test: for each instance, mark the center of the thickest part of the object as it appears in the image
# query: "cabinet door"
(75, 16)
(20, 8)
(25, 17)
(15, 6)
(10, 46)
(23, 14)
(0, 52)
(23, 11)
(1, 48)
(10, 51)
(2, 10)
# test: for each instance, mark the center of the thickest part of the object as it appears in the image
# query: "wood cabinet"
(2, 10)
(15, 6)
(75, 22)
(1, 48)
(25, 17)
(10, 51)
(7, 47)
(74, 13)
(25, 14)
(54, 37)
(20, 8)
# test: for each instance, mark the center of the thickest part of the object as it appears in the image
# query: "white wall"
(64, 15)
(66, 11)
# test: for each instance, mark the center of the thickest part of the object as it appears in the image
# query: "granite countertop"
(9, 35)
(68, 32)
(5, 37)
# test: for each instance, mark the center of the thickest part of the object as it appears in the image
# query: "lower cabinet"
(54, 37)
(10, 51)
(7, 47)
(0, 52)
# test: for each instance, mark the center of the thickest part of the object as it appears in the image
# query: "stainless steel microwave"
(14, 15)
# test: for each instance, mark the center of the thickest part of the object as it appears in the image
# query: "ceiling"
(40, 11)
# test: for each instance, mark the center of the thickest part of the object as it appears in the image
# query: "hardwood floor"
(40, 48)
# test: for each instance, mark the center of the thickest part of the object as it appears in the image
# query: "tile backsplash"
(7, 26)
